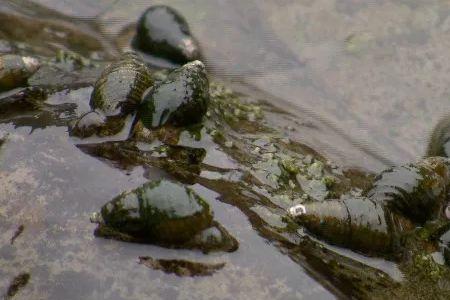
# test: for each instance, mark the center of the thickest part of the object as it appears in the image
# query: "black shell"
(163, 32)
(119, 89)
(182, 99)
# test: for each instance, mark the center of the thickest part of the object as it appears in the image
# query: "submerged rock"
(164, 213)
(182, 99)
(401, 199)
(15, 70)
(163, 32)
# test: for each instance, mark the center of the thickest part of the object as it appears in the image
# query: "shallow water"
(367, 82)
(375, 73)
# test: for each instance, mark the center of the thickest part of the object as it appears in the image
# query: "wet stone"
(163, 32)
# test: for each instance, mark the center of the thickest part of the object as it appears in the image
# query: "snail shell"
(167, 213)
(418, 191)
(401, 198)
(163, 32)
(439, 144)
(182, 99)
(15, 70)
(119, 89)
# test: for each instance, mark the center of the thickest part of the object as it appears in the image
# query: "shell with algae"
(401, 199)
(182, 99)
(119, 89)
(164, 213)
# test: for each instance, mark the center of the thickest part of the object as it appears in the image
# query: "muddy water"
(366, 80)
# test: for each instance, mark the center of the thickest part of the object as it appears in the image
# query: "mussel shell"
(159, 212)
(15, 70)
(182, 99)
(439, 144)
(119, 89)
(214, 238)
(96, 123)
(163, 32)
(417, 191)
(355, 223)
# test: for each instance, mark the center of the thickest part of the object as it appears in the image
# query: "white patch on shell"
(31, 63)
(188, 47)
(297, 210)
(447, 211)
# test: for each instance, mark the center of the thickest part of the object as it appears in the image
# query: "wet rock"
(15, 70)
(163, 32)
(164, 213)
(182, 99)
(179, 267)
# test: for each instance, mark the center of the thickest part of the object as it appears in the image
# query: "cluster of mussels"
(161, 212)
(401, 198)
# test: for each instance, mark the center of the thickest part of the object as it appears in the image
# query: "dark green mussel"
(180, 100)
(402, 199)
(164, 213)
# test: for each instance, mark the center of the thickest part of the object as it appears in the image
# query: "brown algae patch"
(181, 267)
(19, 282)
